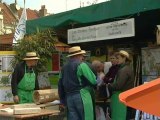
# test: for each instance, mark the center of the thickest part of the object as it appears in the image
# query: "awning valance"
(93, 13)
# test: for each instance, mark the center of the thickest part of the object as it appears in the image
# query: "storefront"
(135, 35)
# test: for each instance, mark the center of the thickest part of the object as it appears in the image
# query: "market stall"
(46, 104)
(11, 116)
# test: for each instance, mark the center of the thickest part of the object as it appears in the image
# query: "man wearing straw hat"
(75, 85)
(24, 80)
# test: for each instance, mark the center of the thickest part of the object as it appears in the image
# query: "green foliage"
(54, 79)
(42, 43)
(4, 80)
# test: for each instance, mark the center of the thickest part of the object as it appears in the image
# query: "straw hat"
(31, 56)
(76, 50)
(85, 55)
(124, 53)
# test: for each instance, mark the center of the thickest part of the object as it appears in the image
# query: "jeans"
(75, 106)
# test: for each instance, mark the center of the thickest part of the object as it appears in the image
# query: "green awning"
(93, 13)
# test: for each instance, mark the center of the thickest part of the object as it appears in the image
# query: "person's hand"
(62, 108)
(110, 79)
(103, 77)
(16, 99)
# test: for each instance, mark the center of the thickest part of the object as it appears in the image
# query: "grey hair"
(96, 64)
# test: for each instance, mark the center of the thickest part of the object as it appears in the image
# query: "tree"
(42, 43)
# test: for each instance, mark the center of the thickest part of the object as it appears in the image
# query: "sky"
(54, 6)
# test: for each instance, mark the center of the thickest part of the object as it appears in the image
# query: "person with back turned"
(75, 83)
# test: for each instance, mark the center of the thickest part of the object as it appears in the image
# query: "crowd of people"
(78, 82)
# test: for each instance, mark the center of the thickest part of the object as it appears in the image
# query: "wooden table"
(11, 116)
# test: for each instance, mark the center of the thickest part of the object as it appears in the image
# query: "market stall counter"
(8, 114)
(35, 116)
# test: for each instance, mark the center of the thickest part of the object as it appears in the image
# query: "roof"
(8, 16)
(61, 44)
(10, 19)
(94, 13)
(6, 39)
(31, 14)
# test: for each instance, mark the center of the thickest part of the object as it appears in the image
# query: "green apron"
(92, 92)
(118, 109)
(87, 103)
(87, 93)
(26, 87)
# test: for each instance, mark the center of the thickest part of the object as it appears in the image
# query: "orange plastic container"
(145, 97)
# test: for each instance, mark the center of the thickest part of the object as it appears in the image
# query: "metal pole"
(24, 3)
(66, 5)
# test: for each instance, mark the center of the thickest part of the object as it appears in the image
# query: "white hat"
(124, 53)
(76, 50)
(31, 56)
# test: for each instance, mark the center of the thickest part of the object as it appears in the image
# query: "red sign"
(55, 62)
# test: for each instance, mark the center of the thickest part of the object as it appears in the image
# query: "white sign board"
(112, 30)
(158, 35)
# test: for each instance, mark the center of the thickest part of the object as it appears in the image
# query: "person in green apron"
(123, 81)
(24, 80)
(75, 86)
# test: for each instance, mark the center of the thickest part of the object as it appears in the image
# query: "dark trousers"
(75, 107)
